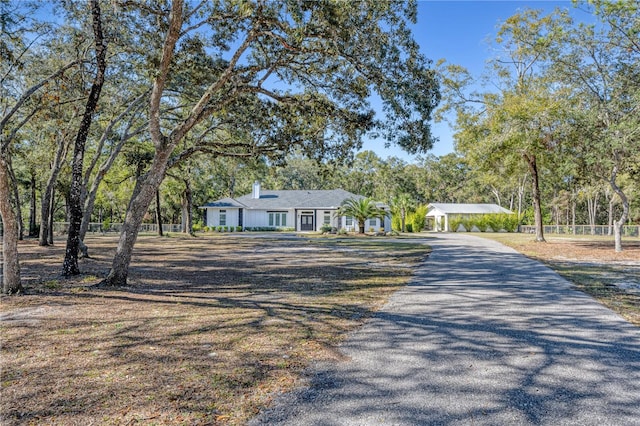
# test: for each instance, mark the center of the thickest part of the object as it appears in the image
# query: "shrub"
(510, 222)
(238, 228)
(219, 228)
(467, 223)
(419, 218)
(495, 222)
(482, 222)
(342, 231)
(409, 227)
(396, 222)
(325, 228)
(454, 223)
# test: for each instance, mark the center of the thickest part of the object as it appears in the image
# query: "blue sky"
(460, 32)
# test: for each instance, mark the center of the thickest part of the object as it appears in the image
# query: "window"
(223, 218)
(277, 219)
(327, 218)
(349, 221)
(373, 223)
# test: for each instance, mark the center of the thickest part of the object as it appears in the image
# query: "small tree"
(402, 206)
(360, 209)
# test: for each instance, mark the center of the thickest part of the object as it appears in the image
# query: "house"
(296, 210)
(440, 213)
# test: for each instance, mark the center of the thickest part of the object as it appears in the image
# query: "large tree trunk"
(537, 206)
(10, 265)
(142, 197)
(70, 264)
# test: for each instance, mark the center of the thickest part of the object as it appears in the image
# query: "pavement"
(482, 336)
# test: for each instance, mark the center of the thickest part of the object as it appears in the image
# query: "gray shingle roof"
(455, 208)
(300, 199)
(225, 202)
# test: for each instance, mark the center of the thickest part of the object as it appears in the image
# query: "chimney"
(256, 190)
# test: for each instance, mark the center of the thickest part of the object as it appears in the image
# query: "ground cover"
(210, 330)
(591, 264)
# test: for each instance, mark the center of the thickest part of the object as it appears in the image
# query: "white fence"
(627, 230)
(96, 227)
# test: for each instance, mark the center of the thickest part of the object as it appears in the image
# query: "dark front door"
(306, 222)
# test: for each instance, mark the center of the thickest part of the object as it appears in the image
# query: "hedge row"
(485, 222)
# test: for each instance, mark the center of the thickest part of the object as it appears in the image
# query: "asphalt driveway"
(482, 336)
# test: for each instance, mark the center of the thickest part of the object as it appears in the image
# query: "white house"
(441, 212)
(298, 210)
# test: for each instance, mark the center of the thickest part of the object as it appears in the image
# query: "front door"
(306, 222)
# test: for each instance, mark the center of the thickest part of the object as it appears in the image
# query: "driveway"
(483, 336)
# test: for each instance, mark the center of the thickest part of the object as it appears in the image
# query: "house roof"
(456, 208)
(301, 199)
(225, 202)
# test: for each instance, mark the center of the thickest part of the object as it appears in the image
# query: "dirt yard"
(210, 329)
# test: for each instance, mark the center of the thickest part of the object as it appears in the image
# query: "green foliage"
(454, 222)
(509, 222)
(467, 223)
(409, 227)
(396, 223)
(419, 218)
(360, 209)
(481, 222)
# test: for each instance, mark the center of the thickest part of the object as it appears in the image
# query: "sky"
(460, 32)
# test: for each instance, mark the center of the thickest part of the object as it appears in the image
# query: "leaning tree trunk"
(142, 197)
(537, 208)
(10, 266)
(70, 264)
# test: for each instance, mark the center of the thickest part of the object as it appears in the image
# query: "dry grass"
(591, 264)
(209, 331)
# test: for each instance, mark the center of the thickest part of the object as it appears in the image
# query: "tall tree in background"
(17, 108)
(70, 264)
(522, 118)
(334, 52)
(599, 64)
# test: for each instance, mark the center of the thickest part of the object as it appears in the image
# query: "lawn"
(210, 330)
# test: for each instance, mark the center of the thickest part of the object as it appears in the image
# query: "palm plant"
(360, 209)
(403, 204)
